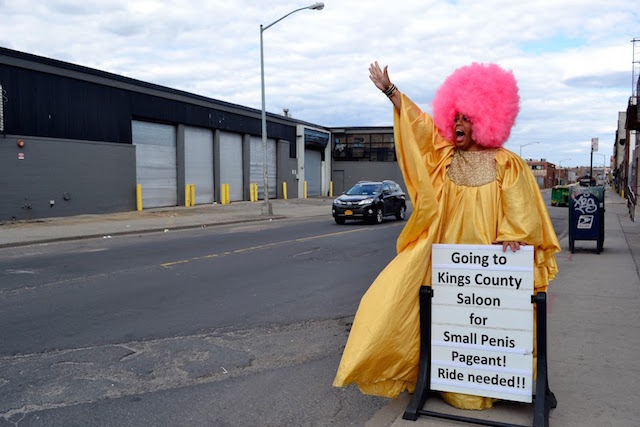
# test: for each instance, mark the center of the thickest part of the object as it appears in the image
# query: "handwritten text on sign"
(482, 321)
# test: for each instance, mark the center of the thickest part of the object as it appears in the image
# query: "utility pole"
(635, 68)
(591, 166)
(594, 147)
(632, 137)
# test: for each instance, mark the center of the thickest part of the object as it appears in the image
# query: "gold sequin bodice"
(473, 168)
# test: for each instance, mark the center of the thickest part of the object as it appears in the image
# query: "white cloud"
(571, 58)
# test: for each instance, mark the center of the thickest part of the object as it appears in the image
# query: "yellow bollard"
(330, 188)
(226, 194)
(223, 194)
(192, 189)
(305, 190)
(252, 196)
(139, 197)
(254, 191)
(284, 190)
(187, 196)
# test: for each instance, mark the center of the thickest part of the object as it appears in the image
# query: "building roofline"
(358, 128)
(66, 69)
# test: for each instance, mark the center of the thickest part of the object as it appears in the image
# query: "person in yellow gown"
(465, 188)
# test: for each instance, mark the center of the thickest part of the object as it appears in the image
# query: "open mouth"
(459, 136)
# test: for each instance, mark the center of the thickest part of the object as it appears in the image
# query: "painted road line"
(266, 246)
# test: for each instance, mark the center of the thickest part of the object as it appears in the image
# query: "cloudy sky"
(573, 59)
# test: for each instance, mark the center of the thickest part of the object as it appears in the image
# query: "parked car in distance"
(587, 181)
(372, 201)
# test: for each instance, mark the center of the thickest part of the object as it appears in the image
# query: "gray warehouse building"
(75, 140)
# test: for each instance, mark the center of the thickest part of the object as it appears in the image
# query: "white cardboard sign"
(482, 321)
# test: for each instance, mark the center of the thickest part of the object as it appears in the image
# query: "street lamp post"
(560, 162)
(528, 143)
(266, 208)
(604, 159)
(604, 163)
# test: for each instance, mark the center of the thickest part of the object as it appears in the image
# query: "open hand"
(379, 77)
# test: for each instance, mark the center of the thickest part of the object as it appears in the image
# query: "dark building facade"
(76, 140)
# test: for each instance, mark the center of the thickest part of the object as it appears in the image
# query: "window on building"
(359, 146)
(339, 146)
(376, 147)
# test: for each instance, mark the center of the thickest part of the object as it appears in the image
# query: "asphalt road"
(241, 325)
(85, 293)
(219, 326)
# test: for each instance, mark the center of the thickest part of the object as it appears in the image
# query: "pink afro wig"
(487, 95)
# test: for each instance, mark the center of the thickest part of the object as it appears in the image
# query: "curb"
(141, 231)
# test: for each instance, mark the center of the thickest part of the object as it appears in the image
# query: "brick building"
(546, 173)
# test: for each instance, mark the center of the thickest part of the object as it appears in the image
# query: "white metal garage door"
(313, 172)
(198, 162)
(155, 163)
(231, 164)
(256, 173)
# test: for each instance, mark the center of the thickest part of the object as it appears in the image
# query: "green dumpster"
(560, 195)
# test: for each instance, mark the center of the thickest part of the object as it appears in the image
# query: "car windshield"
(364, 190)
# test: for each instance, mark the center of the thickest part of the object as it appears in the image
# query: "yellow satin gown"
(487, 196)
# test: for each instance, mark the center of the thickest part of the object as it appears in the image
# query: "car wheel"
(400, 213)
(379, 216)
(339, 220)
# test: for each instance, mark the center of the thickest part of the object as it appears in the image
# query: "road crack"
(36, 382)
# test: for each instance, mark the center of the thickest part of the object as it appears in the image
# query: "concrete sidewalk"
(593, 337)
(46, 230)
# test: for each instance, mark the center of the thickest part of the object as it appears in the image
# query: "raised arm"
(380, 78)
